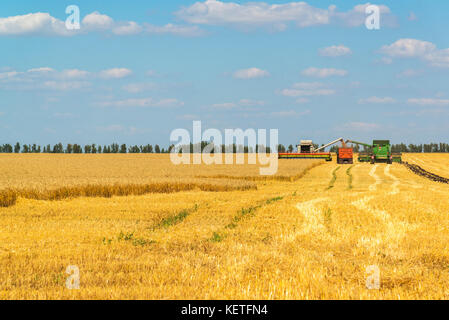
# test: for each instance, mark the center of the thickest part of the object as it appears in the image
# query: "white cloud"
(41, 70)
(335, 51)
(413, 48)
(377, 100)
(97, 21)
(46, 78)
(65, 85)
(214, 12)
(186, 31)
(273, 16)
(33, 23)
(324, 72)
(43, 24)
(408, 48)
(304, 93)
(127, 28)
(115, 73)
(307, 89)
(428, 102)
(139, 87)
(9, 74)
(250, 73)
(356, 16)
(74, 74)
(142, 102)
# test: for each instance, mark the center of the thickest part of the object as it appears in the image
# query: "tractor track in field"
(373, 174)
(390, 238)
(394, 188)
(424, 173)
(334, 178)
(350, 176)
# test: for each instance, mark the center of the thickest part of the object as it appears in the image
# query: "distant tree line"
(76, 148)
(123, 148)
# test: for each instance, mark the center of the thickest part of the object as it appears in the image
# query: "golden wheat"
(288, 239)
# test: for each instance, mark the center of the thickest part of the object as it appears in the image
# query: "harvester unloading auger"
(306, 150)
(380, 151)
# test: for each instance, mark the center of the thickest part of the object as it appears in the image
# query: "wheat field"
(138, 227)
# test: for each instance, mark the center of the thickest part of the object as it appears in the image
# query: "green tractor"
(380, 151)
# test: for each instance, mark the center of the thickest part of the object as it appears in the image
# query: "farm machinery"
(306, 150)
(344, 154)
(379, 151)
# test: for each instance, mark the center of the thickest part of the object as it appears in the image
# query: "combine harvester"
(380, 151)
(306, 150)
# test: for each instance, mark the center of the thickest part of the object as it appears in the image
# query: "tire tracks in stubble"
(373, 174)
(394, 187)
(334, 178)
(389, 239)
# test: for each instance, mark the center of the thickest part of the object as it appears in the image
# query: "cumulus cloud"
(335, 51)
(324, 72)
(52, 79)
(408, 48)
(74, 74)
(115, 73)
(142, 102)
(127, 28)
(302, 93)
(273, 16)
(139, 87)
(214, 12)
(413, 48)
(97, 21)
(31, 24)
(44, 24)
(307, 89)
(377, 100)
(250, 73)
(428, 102)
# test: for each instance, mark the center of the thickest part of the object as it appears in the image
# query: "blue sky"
(136, 70)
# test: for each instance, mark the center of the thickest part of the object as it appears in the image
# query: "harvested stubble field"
(308, 233)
